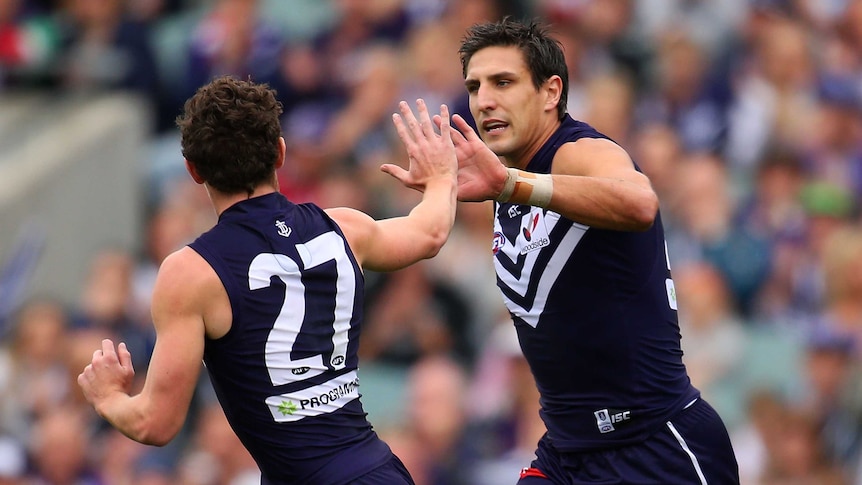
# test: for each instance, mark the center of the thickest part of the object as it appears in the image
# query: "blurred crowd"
(745, 114)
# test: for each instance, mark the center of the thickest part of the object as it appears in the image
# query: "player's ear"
(190, 167)
(553, 90)
(282, 150)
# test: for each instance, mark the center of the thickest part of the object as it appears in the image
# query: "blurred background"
(745, 114)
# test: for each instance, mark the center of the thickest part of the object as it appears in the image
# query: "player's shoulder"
(185, 270)
(183, 258)
(352, 222)
(357, 227)
(583, 155)
(347, 215)
(592, 143)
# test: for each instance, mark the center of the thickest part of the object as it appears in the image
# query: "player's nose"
(485, 99)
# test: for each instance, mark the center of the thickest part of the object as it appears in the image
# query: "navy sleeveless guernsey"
(595, 312)
(286, 372)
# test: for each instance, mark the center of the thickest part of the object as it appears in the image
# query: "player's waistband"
(347, 464)
(607, 427)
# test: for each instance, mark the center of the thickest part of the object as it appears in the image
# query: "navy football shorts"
(391, 473)
(692, 448)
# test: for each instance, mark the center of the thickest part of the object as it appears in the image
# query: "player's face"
(512, 116)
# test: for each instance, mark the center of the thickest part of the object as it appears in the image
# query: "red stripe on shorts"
(532, 472)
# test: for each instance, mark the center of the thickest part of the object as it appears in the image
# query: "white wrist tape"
(508, 186)
(529, 188)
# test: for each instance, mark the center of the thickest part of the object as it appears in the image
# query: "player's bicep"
(177, 315)
(597, 157)
(380, 245)
(402, 243)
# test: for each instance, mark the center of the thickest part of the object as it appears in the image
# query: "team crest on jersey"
(499, 241)
(283, 229)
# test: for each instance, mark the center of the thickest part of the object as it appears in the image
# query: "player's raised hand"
(430, 155)
(109, 372)
(481, 174)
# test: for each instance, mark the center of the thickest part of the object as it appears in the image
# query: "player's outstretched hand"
(109, 372)
(481, 174)
(430, 155)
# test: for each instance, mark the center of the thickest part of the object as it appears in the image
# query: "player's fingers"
(425, 119)
(464, 128)
(395, 171)
(125, 357)
(402, 131)
(445, 132)
(457, 137)
(82, 377)
(453, 133)
(410, 119)
(108, 348)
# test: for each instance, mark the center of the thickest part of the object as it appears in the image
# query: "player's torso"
(286, 371)
(595, 312)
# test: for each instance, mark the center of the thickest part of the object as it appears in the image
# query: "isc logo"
(623, 416)
(606, 419)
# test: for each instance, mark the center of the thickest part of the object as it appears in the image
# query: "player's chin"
(500, 147)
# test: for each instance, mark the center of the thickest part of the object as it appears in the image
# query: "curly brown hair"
(230, 134)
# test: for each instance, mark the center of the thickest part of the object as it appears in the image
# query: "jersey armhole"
(335, 227)
(229, 283)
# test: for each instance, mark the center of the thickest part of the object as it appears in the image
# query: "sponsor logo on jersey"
(288, 407)
(333, 395)
(283, 229)
(534, 232)
(528, 231)
(499, 241)
(607, 418)
(538, 244)
(315, 400)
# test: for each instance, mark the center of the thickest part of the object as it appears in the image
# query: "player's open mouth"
(494, 126)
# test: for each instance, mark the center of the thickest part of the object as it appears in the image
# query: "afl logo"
(300, 370)
(338, 360)
(499, 241)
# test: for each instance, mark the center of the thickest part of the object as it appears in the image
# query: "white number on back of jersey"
(282, 367)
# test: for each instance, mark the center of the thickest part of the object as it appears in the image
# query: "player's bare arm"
(156, 414)
(594, 181)
(394, 243)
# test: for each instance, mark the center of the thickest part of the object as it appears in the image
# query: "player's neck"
(222, 201)
(524, 157)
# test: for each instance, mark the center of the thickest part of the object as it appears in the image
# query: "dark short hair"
(542, 53)
(230, 131)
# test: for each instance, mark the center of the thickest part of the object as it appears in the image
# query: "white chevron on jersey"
(540, 224)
